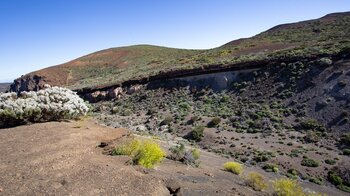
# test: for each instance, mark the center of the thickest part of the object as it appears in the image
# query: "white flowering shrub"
(49, 104)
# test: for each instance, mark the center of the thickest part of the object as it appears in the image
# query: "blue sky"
(39, 33)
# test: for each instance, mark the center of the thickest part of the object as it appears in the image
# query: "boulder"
(141, 128)
(97, 96)
(115, 93)
(133, 89)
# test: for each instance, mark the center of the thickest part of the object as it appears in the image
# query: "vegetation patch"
(234, 167)
(146, 153)
(288, 187)
(309, 162)
(256, 181)
(197, 133)
(189, 157)
(49, 104)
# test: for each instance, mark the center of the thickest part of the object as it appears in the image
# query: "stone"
(164, 128)
(97, 96)
(141, 128)
(115, 93)
(133, 89)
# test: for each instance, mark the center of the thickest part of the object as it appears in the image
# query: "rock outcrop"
(28, 83)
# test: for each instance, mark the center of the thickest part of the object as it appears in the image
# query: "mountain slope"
(4, 87)
(327, 36)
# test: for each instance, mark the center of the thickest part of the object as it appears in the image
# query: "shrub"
(185, 106)
(325, 61)
(234, 167)
(149, 154)
(197, 133)
(270, 168)
(334, 178)
(49, 104)
(344, 188)
(146, 153)
(167, 120)
(193, 119)
(293, 172)
(316, 180)
(312, 137)
(345, 139)
(309, 162)
(214, 122)
(287, 187)
(261, 158)
(311, 124)
(125, 112)
(340, 182)
(130, 148)
(256, 181)
(330, 161)
(191, 157)
(177, 152)
(346, 151)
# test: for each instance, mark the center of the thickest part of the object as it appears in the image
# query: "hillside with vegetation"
(327, 36)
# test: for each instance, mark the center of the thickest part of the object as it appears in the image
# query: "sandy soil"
(61, 158)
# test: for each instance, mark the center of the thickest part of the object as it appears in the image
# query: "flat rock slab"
(62, 158)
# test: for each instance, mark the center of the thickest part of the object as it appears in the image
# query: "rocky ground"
(64, 158)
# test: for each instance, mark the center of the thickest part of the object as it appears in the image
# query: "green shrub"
(214, 122)
(330, 161)
(344, 188)
(312, 137)
(234, 167)
(197, 133)
(309, 162)
(185, 106)
(338, 181)
(293, 172)
(346, 151)
(256, 181)
(261, 158)
(316, 180)
(312, 124)
(270, 168)
(334, 178)
(125, 112)
(345, 140)
(146, 153)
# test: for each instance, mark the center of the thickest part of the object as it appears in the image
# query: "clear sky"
(39, 33)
